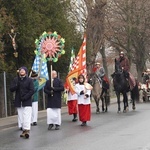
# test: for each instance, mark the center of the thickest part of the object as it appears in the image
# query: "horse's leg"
(106, 102)
(124, 109)
(127, 105)
(106, 99)
(125, 101)
(97, 105)
(118, 101)
(135, 93)
(102, 99)
(133, 98)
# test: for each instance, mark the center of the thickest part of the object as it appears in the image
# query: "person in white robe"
(72, 102)
(53, 89)
(84, 103)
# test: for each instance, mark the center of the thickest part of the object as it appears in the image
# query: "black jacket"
(24, 89)
(54, 100)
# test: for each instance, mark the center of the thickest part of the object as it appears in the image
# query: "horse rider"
(100, 72)
(147, 77)
(124, 62)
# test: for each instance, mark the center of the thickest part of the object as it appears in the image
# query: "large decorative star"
(50, 47)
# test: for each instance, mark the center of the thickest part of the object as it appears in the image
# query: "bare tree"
(95, 31)
(90, 15)
(128, 28)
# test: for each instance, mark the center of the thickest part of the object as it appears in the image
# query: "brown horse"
(96, 93)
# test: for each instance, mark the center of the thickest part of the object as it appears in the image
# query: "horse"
(121, 86)
(96, 93)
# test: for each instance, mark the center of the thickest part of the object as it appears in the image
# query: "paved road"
(106, 131)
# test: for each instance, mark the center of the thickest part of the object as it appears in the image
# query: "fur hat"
(34, 74)
(148, 70)
(24, 68)
(121, 53)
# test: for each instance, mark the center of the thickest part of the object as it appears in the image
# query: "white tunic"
(81, 98)
(72, 96)
(54, 116)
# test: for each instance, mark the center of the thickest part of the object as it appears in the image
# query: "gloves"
(82, 92)
(51, 88)
(86, 95)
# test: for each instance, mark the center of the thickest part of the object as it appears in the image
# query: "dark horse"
(97, 93)
(121, 86)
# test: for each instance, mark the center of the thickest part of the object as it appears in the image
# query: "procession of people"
(78, 103)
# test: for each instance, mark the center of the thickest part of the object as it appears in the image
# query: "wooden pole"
(51, 80)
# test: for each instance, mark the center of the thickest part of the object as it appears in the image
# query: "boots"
(74, 118)
(25, 134)
(50, 126)
(22, 134)
(84, 123)
(57, 127)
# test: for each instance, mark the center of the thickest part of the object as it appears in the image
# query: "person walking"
(53, 89)
(24, 89)
(84, 103)
(72, 102)
(34, 116)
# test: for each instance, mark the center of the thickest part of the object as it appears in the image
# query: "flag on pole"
(78, 66)
(40, 67)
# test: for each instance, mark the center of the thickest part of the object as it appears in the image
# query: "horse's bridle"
(98, 80)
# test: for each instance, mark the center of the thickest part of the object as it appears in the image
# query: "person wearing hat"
(146, 76)
(34, 116)
(100, 72)
(23, 87)
(124, 62)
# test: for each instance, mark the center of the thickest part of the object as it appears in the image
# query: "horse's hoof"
(118, 111)
(124, 111)
(97, 112)
(133, 107)
(127, 109)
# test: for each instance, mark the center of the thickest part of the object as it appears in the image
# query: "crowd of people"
(79, 103)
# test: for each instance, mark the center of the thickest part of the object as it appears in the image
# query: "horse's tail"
(135, 93)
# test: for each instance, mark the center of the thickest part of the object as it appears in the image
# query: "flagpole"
(40, 66)
(51, 83)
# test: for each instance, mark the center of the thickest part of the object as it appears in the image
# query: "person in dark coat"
(124, 62)
(23, 87)
(53, 90)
